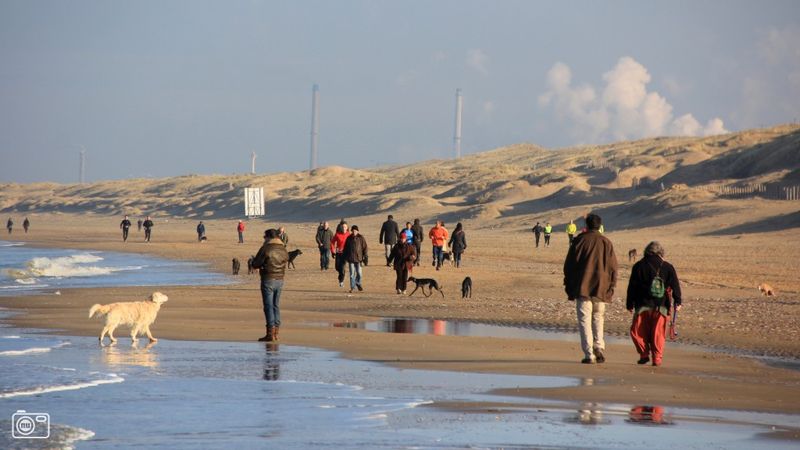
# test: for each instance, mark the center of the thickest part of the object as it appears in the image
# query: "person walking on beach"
(548, 229)
(283, 236)
(201, 231)
(355, 249)
(26, 224)
(388, 237)
(571, 230)
(652, 290)
(590, 276)
(403, 256)
(323, 238)
(10, 225)
(458, 244)
(419, 236)
(139, 225)
(240, 231)
(271, 261)
(337, 248)
(148, 228)
(537, 232)
(125, 225)
(438, 235)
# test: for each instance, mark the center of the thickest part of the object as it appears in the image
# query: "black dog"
(466, 288)
(235, 266)
(422, 282)
(250, 268)
(292, 255)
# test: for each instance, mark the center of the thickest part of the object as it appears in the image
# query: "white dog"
(137, 315)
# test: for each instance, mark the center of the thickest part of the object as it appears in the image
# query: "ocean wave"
(32, 350)
(112, 378)
(78, 265)
(11, 244)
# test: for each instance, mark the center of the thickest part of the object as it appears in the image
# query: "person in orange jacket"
(438, 236)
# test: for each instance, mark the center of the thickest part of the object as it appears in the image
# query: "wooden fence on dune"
(768, 191)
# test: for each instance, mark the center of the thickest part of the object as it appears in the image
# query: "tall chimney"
(457, 133)
(82, 170)
(253, 163)
(314, 126)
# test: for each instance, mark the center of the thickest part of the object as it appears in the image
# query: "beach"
(725, 322)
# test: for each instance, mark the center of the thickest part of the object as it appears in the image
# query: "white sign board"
(254, 202)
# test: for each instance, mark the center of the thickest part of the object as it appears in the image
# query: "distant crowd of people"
(590, 272)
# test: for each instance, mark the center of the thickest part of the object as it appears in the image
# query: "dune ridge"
(640, 183)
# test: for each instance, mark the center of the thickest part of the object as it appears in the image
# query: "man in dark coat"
(590, 276)
(403, 256)
(388, 237)
(201, 231)
(355, 251)
(271, 261)
(323, 238)
(537, 232)
(148, 228)
(649, 326)
(419, 236)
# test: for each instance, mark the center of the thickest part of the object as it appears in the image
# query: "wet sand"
(514, 285)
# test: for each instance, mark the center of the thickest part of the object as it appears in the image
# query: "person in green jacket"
(548, 229)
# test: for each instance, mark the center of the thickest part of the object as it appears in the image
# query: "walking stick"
(673, 329)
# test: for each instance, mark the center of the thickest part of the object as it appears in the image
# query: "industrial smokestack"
(253, 163)
(457, 133)
(314, 126)
(82, 169)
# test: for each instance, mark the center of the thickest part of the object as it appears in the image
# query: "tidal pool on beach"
(198, 394)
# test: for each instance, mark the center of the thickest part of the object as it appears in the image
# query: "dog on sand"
(632, 254)
(292, 256)
(235, 265)
(422, 282)
(466, 288)
(250, 268)
(137, 315)
(766, 289)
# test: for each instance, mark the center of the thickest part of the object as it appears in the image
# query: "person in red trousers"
(648, 299)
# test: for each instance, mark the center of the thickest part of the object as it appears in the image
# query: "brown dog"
(766, 289)
(632, 254)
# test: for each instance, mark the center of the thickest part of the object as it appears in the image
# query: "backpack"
(657, 287)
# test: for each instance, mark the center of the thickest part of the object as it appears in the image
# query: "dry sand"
(514, 285)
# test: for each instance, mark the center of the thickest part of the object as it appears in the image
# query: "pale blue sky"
(162, 88)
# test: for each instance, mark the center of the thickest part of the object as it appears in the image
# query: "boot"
(275, 331)
(269, 336)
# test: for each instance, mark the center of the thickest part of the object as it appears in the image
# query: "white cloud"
(625, 110)
(478, 60)
(488, 107)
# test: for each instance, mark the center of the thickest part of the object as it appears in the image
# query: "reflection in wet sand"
(115, 356)
(648, 415)
(272, 367)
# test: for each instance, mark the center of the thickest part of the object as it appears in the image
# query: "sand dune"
(519, 183)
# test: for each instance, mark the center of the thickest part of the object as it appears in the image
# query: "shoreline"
(689, 378)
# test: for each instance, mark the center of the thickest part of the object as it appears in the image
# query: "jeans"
(537, 240)
(241, 237)
(591, 316)
(457, 258)
(547, 240)
(324, 257)
(388, 250)
(418, 246)
(147, 234)
(355, 274)
(124, 234)
(271, 298)
(437, 255)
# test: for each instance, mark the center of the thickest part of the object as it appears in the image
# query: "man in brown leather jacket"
(590, 276)
(271, 261)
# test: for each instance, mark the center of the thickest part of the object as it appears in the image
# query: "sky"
(166, 88)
